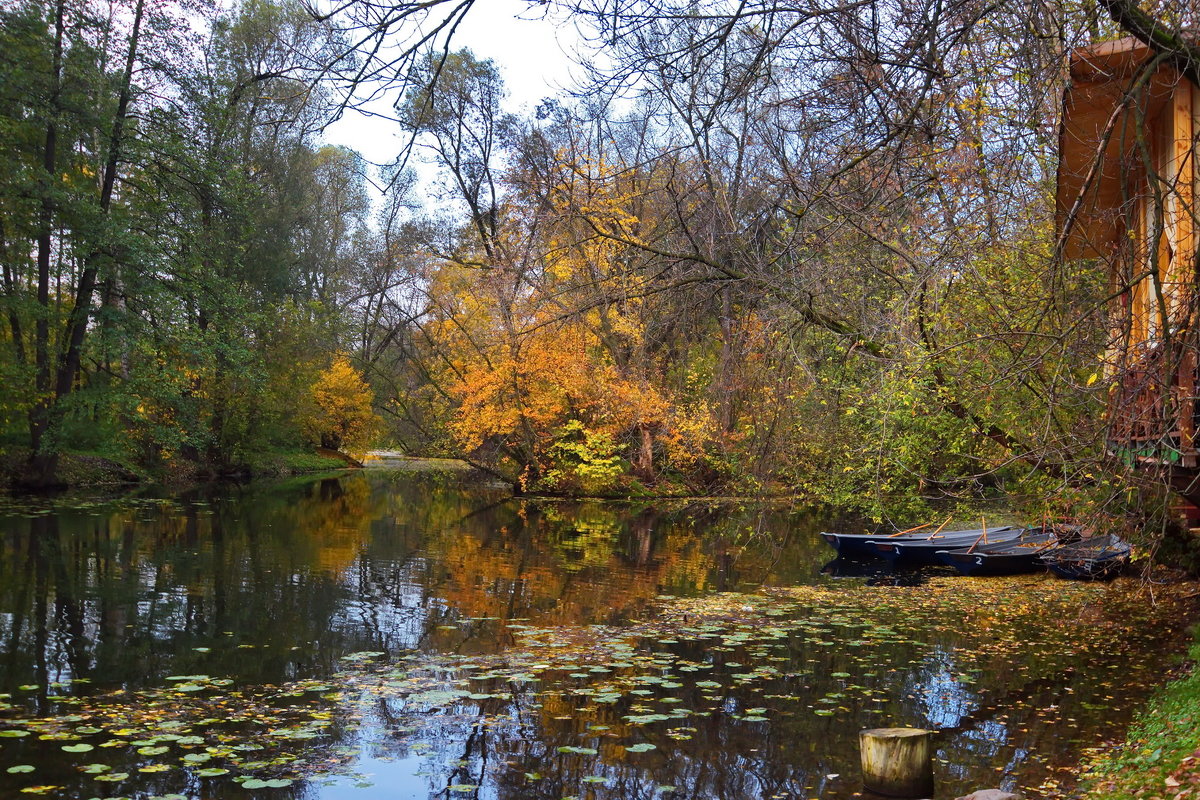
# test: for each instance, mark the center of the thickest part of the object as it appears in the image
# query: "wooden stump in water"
(897, 762)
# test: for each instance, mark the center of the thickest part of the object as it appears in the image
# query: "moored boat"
(881, 544)
(1008, 557)
(854, 545)
(1096, 558)
(924, 550)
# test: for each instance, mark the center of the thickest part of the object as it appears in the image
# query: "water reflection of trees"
(282, 582)
(278, 582)
(120, 596)
(1004, 734)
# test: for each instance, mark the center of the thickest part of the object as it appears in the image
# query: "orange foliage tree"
(546, 357)
(560, 346)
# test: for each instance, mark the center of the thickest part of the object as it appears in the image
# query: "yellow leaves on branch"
(340, 414)
(549, 357)
(533, 384)
(526, 390)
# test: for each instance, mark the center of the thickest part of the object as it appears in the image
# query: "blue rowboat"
(1008, 557)
(895, 546)
(924, 550)
(1098, 558)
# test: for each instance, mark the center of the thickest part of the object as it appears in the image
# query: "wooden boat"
(1092, 559)
(924, 550)
(1009, 557)
(852, 545)
(864, 544)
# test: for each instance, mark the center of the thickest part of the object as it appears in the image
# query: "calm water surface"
(391, 634)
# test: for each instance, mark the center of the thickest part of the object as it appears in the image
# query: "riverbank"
(82, 470)
(1160, 757)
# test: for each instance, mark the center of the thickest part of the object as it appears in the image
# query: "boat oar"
(939, 527)
(910, 530)
(983, 536)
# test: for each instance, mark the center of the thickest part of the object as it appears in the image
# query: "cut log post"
(897, 762)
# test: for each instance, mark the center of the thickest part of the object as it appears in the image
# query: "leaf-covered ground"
(1160, 758)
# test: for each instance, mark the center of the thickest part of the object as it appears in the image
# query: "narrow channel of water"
(385, 633)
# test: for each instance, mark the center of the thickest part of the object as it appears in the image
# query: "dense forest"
(762, 247)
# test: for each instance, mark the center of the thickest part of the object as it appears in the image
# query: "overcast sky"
(533, 56)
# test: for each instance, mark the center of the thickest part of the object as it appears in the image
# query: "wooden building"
(1126, 187)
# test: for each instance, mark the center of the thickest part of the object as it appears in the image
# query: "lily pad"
(274, 783)
(583, 751)
(113, 777)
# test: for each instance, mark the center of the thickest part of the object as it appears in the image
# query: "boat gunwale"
(1011, 547)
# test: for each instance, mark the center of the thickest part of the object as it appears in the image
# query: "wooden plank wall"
(1155, 372)
(1169, 138)
(1180, 232)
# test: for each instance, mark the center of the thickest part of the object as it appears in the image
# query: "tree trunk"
(643, 462)
(42, 465)
(78, 321)
(11, 290)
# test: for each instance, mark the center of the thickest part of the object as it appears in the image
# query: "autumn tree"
(341, 413)
(876, 209)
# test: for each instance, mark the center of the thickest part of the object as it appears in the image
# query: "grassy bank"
(82, 470)
(1161, 755)
(297, 462)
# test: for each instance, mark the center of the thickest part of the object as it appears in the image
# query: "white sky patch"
(532, 52)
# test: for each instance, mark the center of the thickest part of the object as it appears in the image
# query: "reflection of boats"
(877, 573)
(1008, 557)
(1095, 558)
(865, 544)
(843, 567)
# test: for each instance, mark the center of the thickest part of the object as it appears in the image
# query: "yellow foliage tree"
(341, 414)
(550, 362)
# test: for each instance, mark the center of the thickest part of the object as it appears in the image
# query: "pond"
(399, 634)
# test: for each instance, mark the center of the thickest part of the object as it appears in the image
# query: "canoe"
(924, 551)
(863, 544)
(1009, 557)
(1094, 559)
